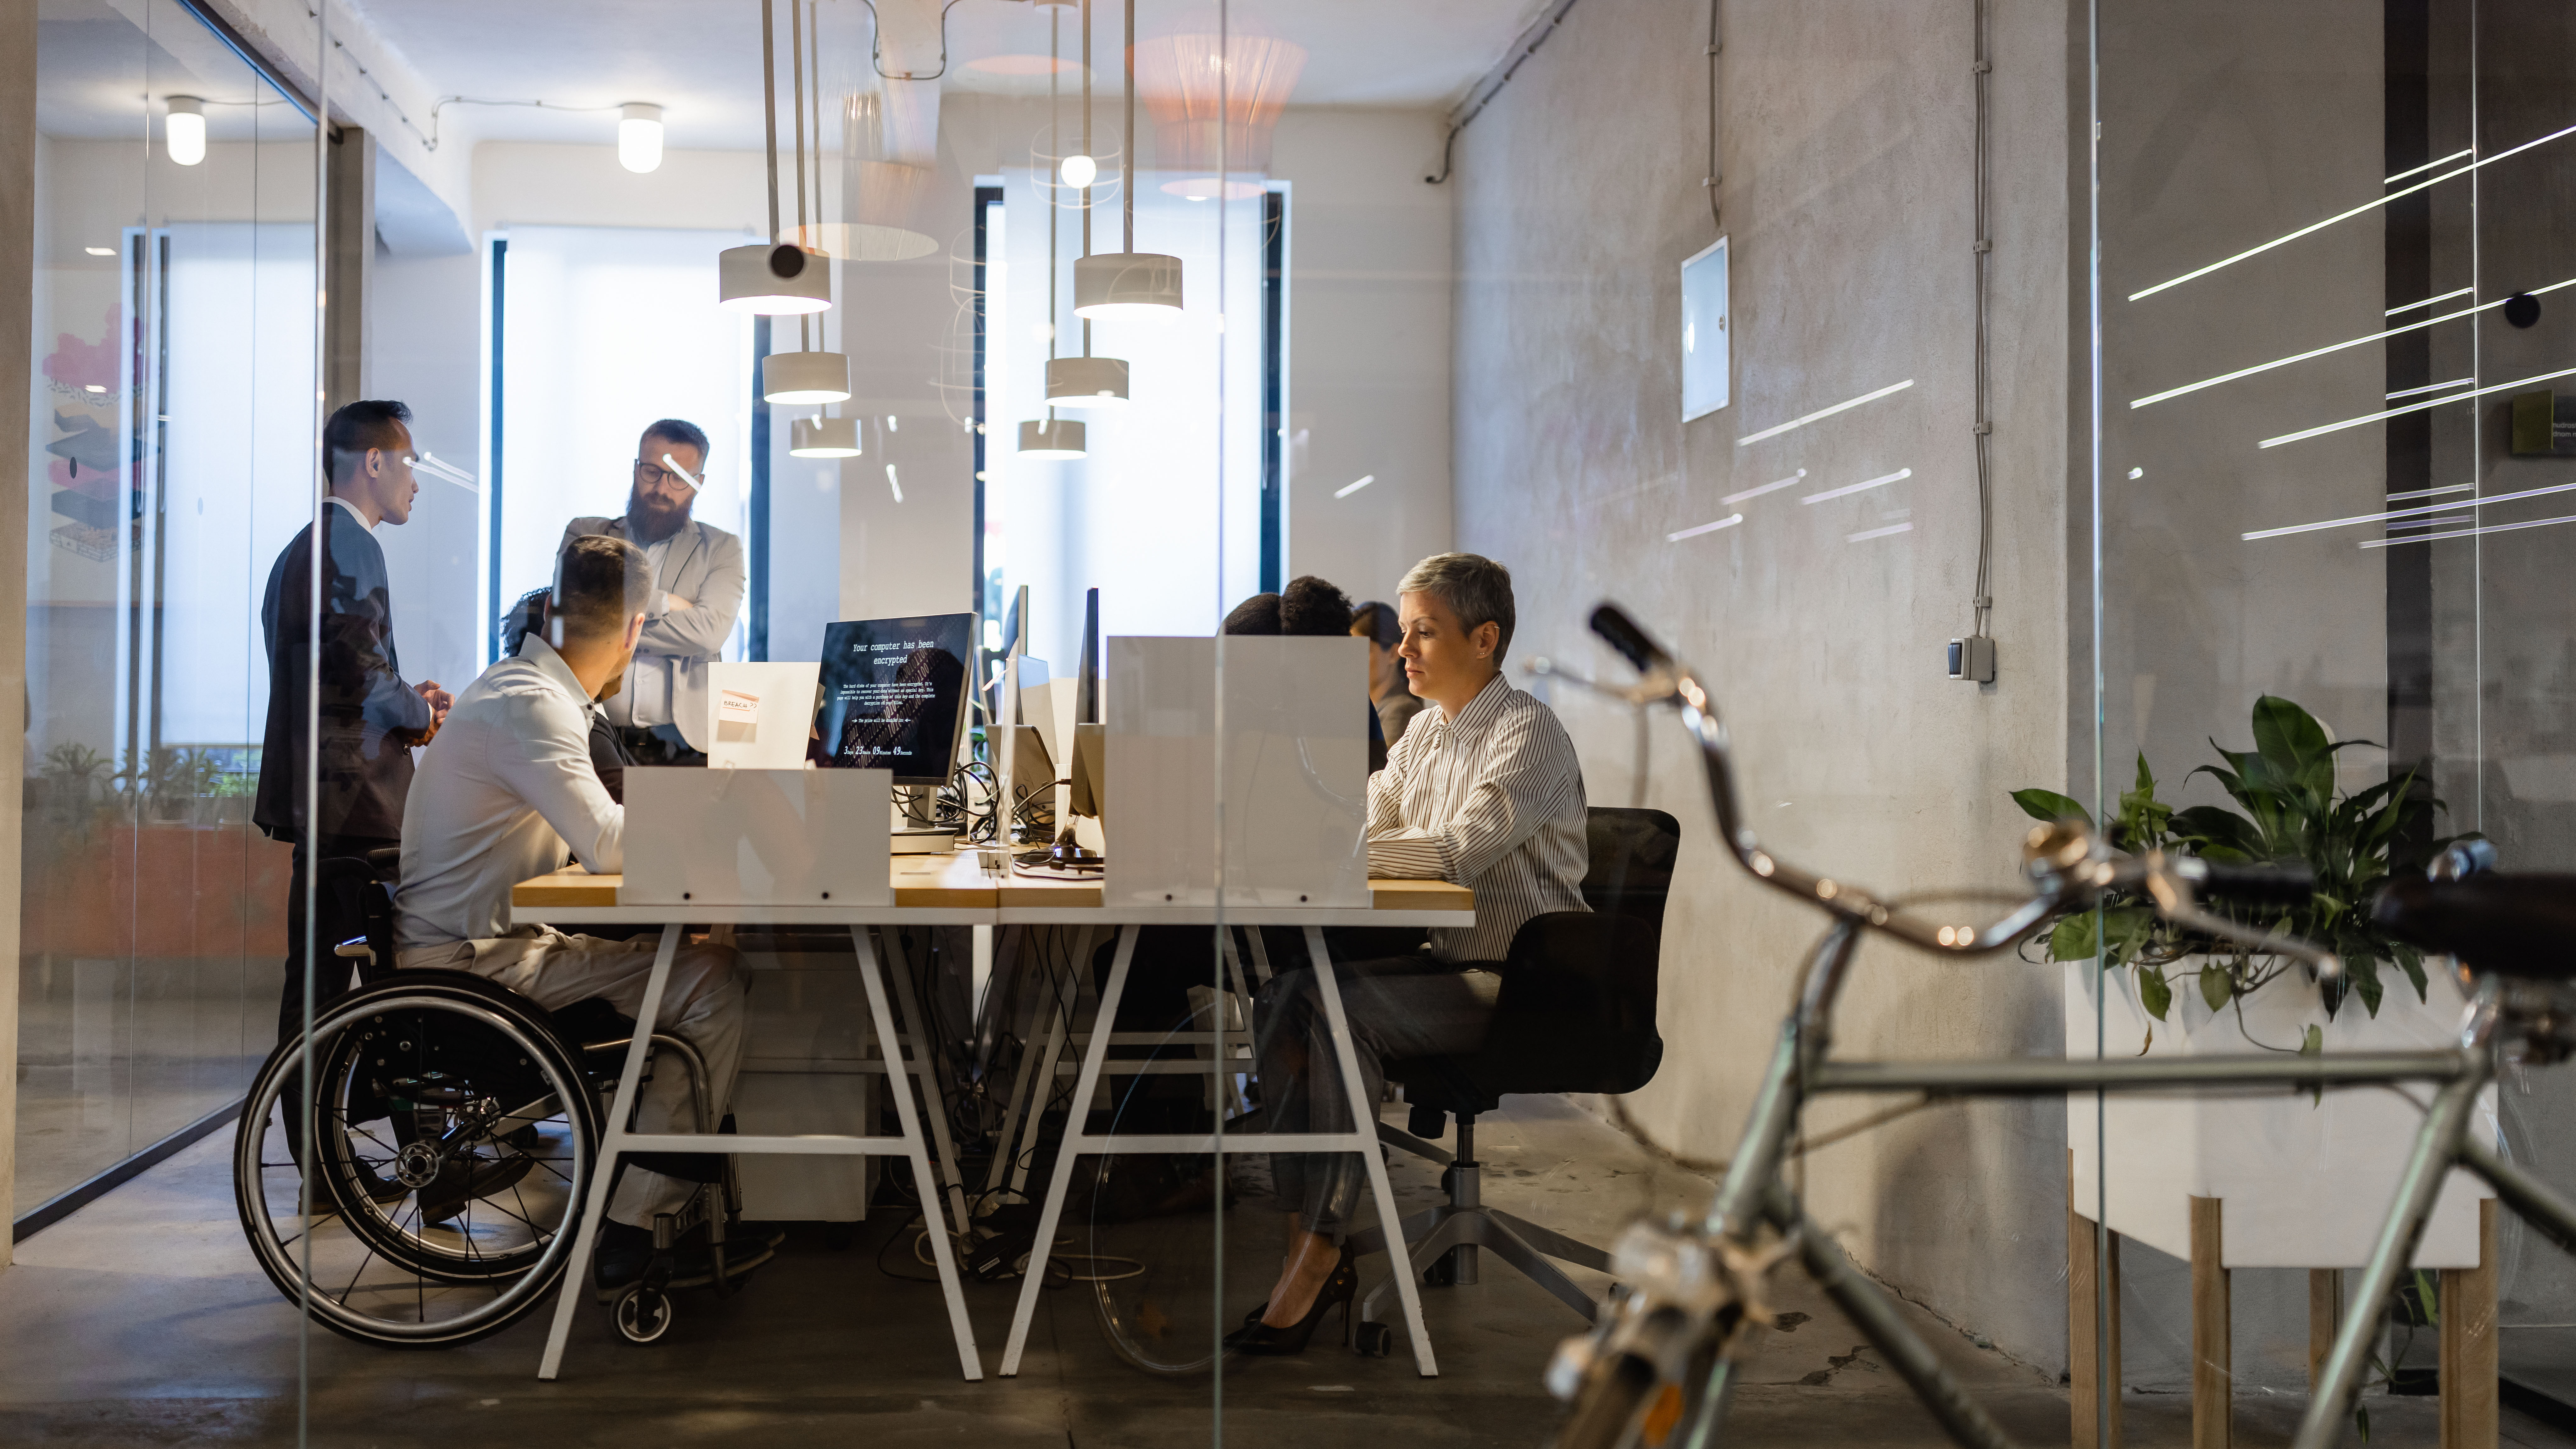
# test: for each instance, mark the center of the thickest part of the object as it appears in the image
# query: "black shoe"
(460, 1180)
(1261, 1340)
(624, 1252)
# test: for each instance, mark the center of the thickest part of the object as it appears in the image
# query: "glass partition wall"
(173, 424)
(2332, 512)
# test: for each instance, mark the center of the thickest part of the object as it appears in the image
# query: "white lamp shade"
(805, 377)
(1086, 382)
(1051, 438)
(183, 131)
(1127, 284)
(773, 280)
(639, 138)
(824, 438)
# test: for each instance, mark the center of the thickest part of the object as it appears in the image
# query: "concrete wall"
(1846, 147)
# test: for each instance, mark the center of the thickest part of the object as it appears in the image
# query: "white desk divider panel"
(757, 837)
(759, 716)
(1295, 779)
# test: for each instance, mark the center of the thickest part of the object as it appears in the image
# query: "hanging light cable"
(809, 375)
(1085, 381)
(1128, 283)
(1051, 436)
(772, 278)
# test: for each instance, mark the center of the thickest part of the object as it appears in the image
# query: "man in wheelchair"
(501, 795)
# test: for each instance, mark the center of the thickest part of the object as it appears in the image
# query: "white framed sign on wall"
(1704, 335)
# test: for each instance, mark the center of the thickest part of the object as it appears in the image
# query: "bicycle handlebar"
(2067, 862)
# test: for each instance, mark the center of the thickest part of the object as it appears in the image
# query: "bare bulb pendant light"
(810, 375)
(772, 278)
(1085, 381)
(1128, 284)
(1051, 436)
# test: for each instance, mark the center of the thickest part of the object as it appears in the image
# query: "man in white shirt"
(501, 795)
(1484, 790)
(699, 581)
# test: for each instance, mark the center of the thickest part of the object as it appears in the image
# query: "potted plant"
(2305, 1179)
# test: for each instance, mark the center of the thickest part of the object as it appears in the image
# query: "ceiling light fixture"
(772, 278)
(1086, 382)
(812, 374)
(639, 137)
(1216, 101)
(824, 438)
(183, 130)
(1126, 284)
(100, 251)
(1079, 171)
(802, 378)
(1051, 438)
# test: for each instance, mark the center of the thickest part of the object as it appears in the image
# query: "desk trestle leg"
(925, 1065)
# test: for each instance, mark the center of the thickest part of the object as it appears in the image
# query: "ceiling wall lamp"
(824, 438)
(1051, 438)
(1086, 382)
(1127, 284)
(183, 131)
(639, 137)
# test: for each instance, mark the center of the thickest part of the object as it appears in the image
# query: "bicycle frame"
(1697, 1283)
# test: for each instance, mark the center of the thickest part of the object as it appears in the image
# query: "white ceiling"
(700, 59)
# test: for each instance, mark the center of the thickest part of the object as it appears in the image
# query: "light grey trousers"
(702, 1004)
(1398, 1007)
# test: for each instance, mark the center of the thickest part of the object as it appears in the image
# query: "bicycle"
(1673, 1348)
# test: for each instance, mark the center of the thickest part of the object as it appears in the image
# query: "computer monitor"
(1089, 774)
(893, 695)
(1086, 700)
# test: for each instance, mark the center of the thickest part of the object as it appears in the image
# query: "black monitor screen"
(894, 695)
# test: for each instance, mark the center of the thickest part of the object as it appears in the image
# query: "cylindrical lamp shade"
(639, 137)
(1127, 284)
(1086, 382)
(773, 280)
(183, 131)
(804, 377)
(1051, 438)
(825, 438)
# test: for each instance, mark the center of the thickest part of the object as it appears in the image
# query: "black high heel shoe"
(1261, 1340)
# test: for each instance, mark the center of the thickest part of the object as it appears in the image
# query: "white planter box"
(2305, 1185)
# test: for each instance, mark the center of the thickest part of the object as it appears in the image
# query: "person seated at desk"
(501, 795)
(1484, 791)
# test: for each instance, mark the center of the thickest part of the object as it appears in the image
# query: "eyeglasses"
(654, 475)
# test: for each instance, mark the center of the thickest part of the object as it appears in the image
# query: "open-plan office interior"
(1509, 722)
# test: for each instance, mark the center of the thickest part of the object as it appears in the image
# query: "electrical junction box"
(1973, 658)
(2544, 425)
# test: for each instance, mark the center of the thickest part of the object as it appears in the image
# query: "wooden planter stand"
(2469, 1410)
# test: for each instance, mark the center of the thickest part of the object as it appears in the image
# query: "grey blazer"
(705, 564)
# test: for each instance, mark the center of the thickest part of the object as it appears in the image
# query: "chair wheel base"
(1375, 1340)
(644, 1313)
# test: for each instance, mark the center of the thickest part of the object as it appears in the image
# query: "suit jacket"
(705, 564)
(369, 716)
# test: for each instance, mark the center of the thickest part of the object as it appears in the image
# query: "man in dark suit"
(368, 717)
(699, 578)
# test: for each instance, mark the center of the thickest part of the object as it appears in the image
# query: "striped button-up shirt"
(1492, 800)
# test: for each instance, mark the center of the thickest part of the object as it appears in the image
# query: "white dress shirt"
(1492, 800)
(500, 796)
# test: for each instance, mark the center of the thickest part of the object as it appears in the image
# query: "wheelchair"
(454, 1134)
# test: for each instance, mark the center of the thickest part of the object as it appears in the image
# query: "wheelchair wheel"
(454, 1138)
(644, 1314)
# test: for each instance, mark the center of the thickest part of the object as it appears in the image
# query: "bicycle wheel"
(454, 1139)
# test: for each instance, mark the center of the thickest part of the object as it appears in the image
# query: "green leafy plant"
(2288, 811)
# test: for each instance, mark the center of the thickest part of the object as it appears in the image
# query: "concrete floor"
(141, 1321)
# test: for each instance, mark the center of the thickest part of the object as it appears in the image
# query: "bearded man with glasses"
(659, 709)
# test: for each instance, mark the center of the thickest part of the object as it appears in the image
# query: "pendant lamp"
(1128, 284)
(824, 438)
(1086, 382)
(810, 375)
(772, 278)
(1051, 438)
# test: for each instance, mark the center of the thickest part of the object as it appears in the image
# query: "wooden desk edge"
(575, 889)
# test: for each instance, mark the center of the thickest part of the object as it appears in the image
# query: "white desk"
(928, 891)
(1025, 902)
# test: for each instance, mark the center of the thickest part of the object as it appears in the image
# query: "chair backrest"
(1631, 862)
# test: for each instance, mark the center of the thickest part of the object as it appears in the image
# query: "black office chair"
(1576, 1014)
